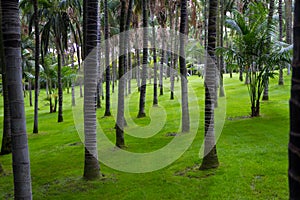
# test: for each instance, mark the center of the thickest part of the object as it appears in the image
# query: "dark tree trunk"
(30, 91)
(270, 19)
(37, 66)
(91, 42)
(294, 143)
(185, 119)
(280, 81)
(120, 113)
(288, 20)
(145, 57)
(222, 91)
(210, 159)
(155, 100)
(107, 67)
(175, 53)
(11, 32)
(161, 69)
(60, 89)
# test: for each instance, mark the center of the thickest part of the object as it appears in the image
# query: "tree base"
(265, 98)
(107, 114)
(141, 115)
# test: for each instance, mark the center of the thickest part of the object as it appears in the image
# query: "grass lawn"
(252, 152)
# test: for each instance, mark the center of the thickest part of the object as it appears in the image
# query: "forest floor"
(252, 151)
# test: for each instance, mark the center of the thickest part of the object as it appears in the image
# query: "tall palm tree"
(288, 24)
(288, 20)
(11, 32)
(162, 20)
(6, 139)
(145, 58)
(37, 66)
(120, 113)
(91, 43)
(152, 14)
(294, 143)
(183, 71)
(280, 81)
(107, 72)
(210, 159)
(58, 24)
(270, 21)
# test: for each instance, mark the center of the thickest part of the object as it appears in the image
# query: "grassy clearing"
(252, 153)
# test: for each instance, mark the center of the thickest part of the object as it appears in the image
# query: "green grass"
(252, 153)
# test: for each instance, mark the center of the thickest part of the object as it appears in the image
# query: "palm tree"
(145, 58)
(120, 113)
(37, 66)
(162, 19)
(107, 67)
(183, 71)
(12, 50)
(269, 25)
(91, 42)
(152, 14)
(57, 24)
(288, 24)
(6, 139)
(210, 159)
(294, 143)
(280, 82)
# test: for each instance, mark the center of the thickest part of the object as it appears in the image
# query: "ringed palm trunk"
(145, 57)
(288, 20)
(37, 66)
(210, 159)
(280, 81)
(107, 86)
(270, 19)
(91, 164)
(121, 86)
(155, 99)
(221, 70)
(185, 118)
(11, 31)
(6, 139)
(294, 143)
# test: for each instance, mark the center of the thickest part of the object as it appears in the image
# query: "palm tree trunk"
(270, 18)
(129, 68)
(161, 69)
(107, 67)
(30, 91)
(37, 66)
(175, 57)
(210, 159)
(185, 119)
(294, 143)
(11, 32)
(222, 91)
(91, 28)
(6, 139)
(145, 57)
(120, 113)
(73, 81)
(280, 81)
(60, 90)
(288, 23)
(155, 99)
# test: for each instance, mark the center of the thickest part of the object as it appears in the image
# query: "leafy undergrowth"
(252, 153)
